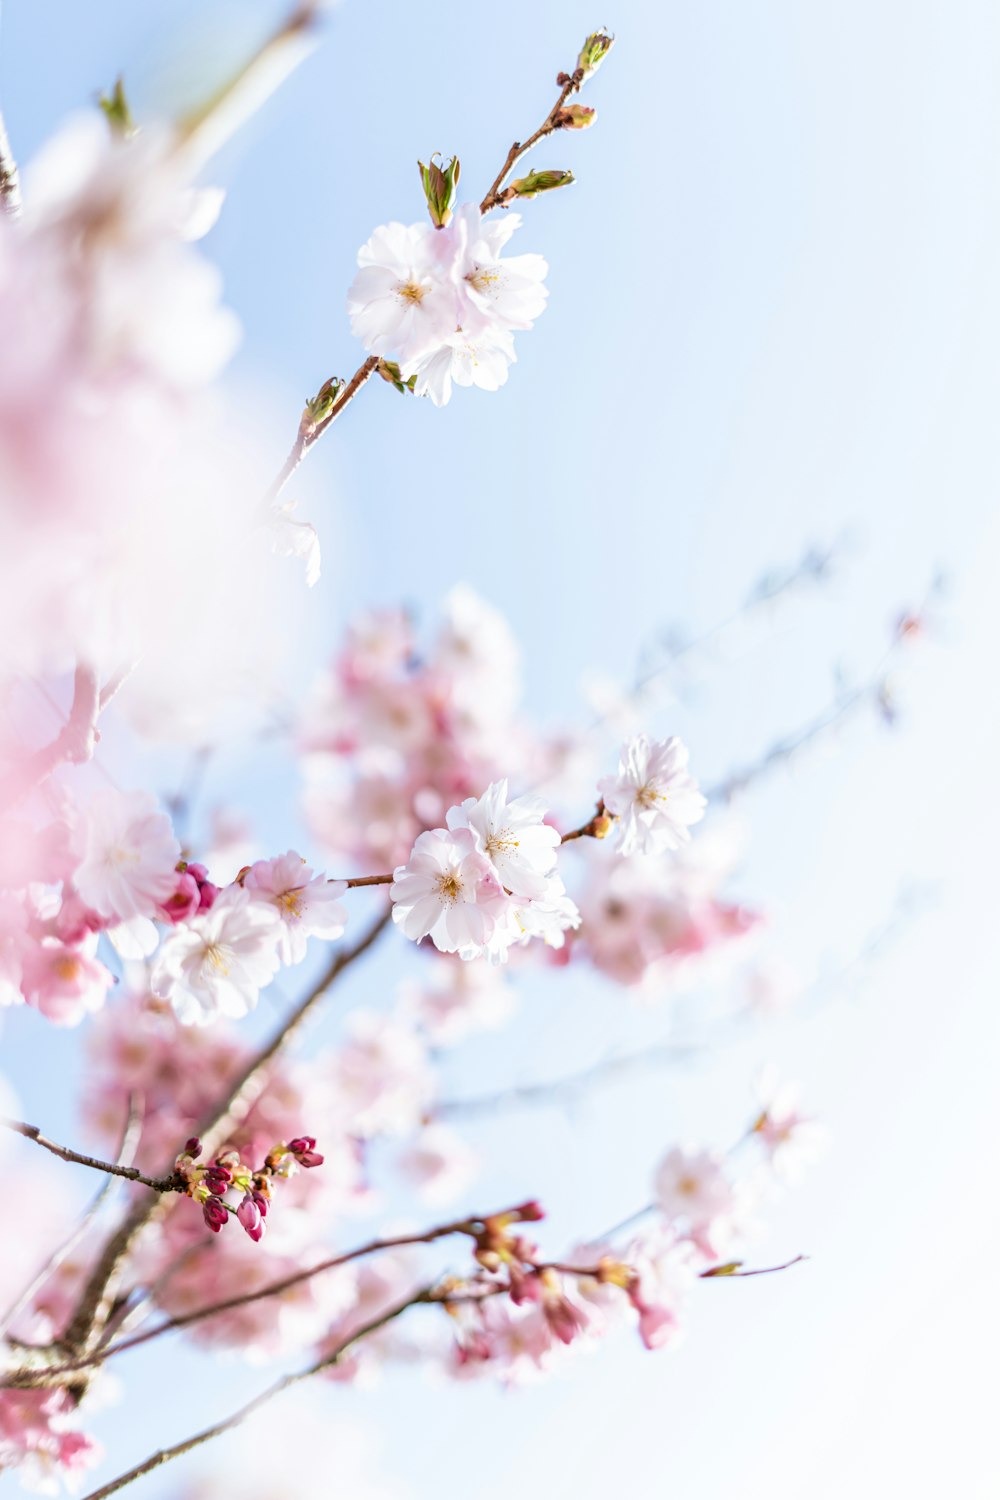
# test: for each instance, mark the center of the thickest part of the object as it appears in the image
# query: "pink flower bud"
(192, 1146)
(251, 1217)
(215, 1214)
(184, 902)
(302, 1149)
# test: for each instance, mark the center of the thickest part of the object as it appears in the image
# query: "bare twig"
(170, 1183)
(496, 196)
(164, 1455)
(129, 1140)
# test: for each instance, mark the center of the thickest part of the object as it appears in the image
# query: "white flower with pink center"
(400, 303)
(653, 796)
(448, 892)
(217, 964)
(306, 903)
(520, 846)
(128, 855)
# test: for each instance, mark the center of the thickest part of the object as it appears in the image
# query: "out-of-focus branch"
(10, 183)
(75, 742)
(164, 1455)
(610, 1070)
(210, 125)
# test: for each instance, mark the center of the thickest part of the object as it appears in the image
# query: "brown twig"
(496, 197)
(595, 828)
(126, 1150)
(310, 431)
(170, 1183)
(164, 1455)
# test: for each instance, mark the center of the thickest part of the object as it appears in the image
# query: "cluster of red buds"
(228, 1186)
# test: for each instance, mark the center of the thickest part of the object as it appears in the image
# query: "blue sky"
(773, 322)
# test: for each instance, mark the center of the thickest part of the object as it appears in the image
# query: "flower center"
(501, 841)
(449, 888)
(411, 291)
(290, 902)
(650, 794)
(217, 956)
(483, 278)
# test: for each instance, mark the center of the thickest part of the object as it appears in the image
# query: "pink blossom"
(62, 982)
(306, 903)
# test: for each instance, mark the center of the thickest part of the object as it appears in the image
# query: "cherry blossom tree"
(484, 847)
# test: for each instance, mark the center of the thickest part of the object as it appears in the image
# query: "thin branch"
(594, 828)
(732, 1270)
(310, 430)
(496, 197)
(95, 1301)
(168, 1184)
(242, 1299)
(10, 183)
(129, 1140)
(165, 1455)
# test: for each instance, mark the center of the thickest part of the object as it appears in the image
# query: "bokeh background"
(773, 325)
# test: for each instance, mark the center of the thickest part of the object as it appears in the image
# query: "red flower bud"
(215, 1214)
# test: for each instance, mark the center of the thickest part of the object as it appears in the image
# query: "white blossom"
(653, 796)
(448, 891)
(519, 844)
(128, 855)
(218, 963)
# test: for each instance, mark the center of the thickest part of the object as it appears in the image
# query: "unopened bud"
(575, 117)
(116, 111)
(529, 1213)
(390, 371)
(192, 1146)
(440, 186)
(593, 52)
(319, 407)
(730, 1268)
(602, 826)
(539, 182)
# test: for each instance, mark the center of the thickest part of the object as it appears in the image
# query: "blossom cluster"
(113, 867)
(486, 881)
(445, 302)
